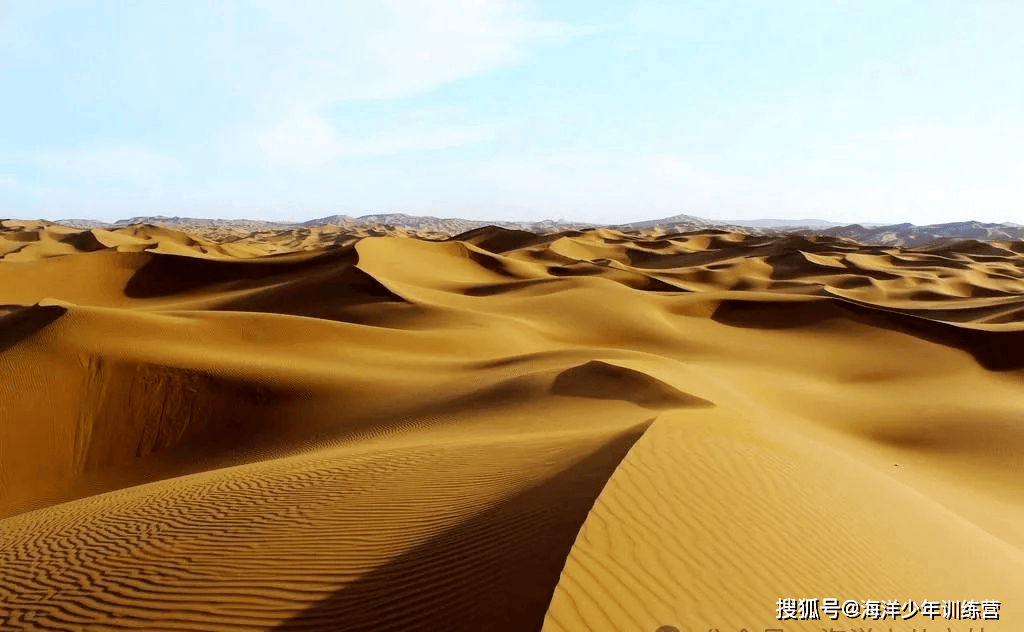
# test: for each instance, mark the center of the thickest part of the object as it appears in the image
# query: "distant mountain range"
(786, 223)
(891, 235)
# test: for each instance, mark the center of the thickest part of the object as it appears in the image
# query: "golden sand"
(324, 430)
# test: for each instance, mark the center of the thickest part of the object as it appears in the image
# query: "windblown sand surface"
(321, 430)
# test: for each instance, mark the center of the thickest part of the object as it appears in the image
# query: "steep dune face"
(323, 429)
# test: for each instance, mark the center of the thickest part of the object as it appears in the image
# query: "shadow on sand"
(495, 571)
(22, 322)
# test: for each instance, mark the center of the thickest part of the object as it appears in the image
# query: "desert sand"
(328, 429)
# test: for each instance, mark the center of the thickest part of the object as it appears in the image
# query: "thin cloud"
(308, 139)
(333, 53)
(124, 164)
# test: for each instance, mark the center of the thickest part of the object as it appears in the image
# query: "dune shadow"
(644, 260)
(329, 293)
(494, 289)
(652, 284)
(84, 241)
(601, 380)
(137, 409)
(22, 322)
(491, 262)
(579, 268)
(169, 274)
(1001, 350)
(774, 314)
(495, 571)
(497, 240)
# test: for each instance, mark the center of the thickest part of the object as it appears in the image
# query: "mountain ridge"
(899, 234)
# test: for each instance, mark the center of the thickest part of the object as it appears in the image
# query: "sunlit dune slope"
(321, 429)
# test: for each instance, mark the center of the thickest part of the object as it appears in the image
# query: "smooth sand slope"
(327, 430)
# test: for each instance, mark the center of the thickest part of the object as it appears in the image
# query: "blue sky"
(869, 111)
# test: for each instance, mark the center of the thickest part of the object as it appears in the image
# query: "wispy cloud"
(266, 73)
(307, 139)
(333, 53)
(328, 53)
(124, 164)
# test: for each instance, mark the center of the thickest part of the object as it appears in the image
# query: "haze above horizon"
(870, 112)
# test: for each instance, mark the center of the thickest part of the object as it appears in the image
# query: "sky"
(591, 110)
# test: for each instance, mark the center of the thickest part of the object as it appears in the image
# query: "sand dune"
(351, 429)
